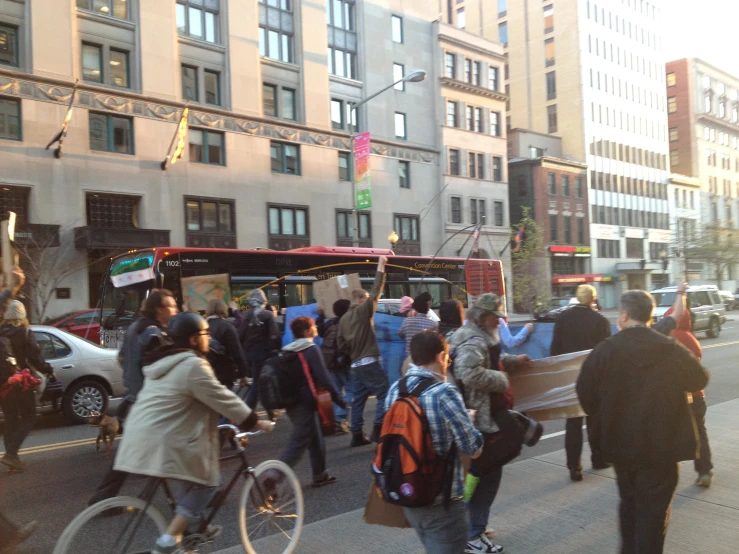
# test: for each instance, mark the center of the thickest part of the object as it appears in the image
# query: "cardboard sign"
(546, 390)
(379, 512)
(328, 291)
(197, 291)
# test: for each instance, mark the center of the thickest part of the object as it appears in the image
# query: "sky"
(703, 29)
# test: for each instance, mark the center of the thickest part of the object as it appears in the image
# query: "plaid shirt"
(414, 325)
(448, 420)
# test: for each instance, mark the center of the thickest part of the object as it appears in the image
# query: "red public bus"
(285, 276)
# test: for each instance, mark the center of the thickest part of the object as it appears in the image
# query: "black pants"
(573, 442)
(646, 499)
(113, 480)
(703, 464)
(19, 410)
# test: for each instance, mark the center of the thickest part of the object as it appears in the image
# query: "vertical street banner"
(362, 170)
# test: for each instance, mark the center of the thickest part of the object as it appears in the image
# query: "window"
(404, 174)
(407, 228)
(671, 80)
(92, 62)
(206, 147)
(9, 45)
(285, 158)
(551, 184)
(396, 24)
(497, 169)
(673, 134)
(502, 8)
(189, 83)
(456, 204)
(205, 215)
(476, 165)
(345, 226)
(565, 185)
(112, 211)
(609, 248)
(553, 224)
(477, 211)
(503, 33)
(461, 19)
(478, 120)
(493, 78)
(468, 71)
(337, 114)
(470, 118)
(674, 158)
(197, 19)
(477, 73)
(498, 214)
(549, 52)
(634, 248)
(671, 104)
(276, 30)
(548, 19)
(400, 130)
(453, 161)
(342, 38)
(115, 8)
(288, 221)
(398, 74)
(269, 100)
(567, 221)
(111, 133)
(708, 100)
(451, 114)
(552, 118)
(213, 88)
(551, 85)
(495, 124)
(578, 187)
(344, 166)
(450, 63)
(10, 119)
(580, 230)
(522, 186)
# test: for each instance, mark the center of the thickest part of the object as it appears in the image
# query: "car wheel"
(714, 328)
(82, 398)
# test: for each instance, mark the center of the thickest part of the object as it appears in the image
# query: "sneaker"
(358, 439)
(13, 462)
(325, 480)
(704, 479)
(178, 548)
(576, 474)
(482, 545)
(600, 464)
(342, 427)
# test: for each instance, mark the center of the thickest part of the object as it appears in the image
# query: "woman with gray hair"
(225, 354)
(19, 405)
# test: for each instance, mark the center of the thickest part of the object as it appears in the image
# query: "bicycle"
(271, 494)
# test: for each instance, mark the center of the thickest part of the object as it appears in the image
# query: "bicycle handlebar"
(239, 434)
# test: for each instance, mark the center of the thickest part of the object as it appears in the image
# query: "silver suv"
(706, 307)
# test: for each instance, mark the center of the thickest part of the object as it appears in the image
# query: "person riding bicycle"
(171, 429)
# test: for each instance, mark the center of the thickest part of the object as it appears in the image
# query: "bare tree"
(47, 262)
(715, 245)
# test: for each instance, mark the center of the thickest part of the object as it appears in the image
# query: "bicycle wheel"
(130, 528)
(271, 510)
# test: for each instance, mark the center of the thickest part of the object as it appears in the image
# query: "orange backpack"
(408, 471)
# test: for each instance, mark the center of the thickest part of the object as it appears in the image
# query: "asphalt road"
(64, 467)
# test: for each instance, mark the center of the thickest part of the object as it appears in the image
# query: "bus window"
(241, 287)
(439, 291)
(299, 291)
(396, 290)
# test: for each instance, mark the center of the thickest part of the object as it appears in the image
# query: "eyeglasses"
(204, 333)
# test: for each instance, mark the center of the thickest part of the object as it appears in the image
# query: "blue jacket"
(141, 337)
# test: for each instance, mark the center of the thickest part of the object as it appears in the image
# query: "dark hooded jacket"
(636, 383)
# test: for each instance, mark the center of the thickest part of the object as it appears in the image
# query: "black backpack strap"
(423, 385)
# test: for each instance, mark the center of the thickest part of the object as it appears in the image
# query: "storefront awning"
(582, 278)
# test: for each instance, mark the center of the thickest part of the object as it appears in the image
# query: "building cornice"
(718, 121)
(448, 39)
(45, 89)
(548, 161)
(473, 89)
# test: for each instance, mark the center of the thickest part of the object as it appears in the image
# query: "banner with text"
(362, 170)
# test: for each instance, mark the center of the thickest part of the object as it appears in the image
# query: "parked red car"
(85, 323)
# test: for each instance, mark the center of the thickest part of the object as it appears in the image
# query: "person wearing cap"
(476, 350)
(170, 431)
(576, 329)
(19, 405)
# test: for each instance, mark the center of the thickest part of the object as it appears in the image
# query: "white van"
(706, 307)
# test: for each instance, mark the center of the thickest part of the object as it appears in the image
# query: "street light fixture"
(393, 239)
(415, 76)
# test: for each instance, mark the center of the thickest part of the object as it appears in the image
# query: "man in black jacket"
(637, 384)
(225, 354)
(576, 329)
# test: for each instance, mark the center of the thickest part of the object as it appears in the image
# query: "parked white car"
(706, 307)
(89, 374)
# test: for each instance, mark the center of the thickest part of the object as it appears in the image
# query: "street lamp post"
(413, 77)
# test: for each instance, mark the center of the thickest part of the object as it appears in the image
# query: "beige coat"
(171, 429)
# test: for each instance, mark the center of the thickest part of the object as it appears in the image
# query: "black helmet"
(184, 325)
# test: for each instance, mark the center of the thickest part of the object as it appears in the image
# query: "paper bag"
(328, 291)
(379, 512)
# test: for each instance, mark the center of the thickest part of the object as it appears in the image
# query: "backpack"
(7, 360)
(281, 381)
(408, 472)
(217, 356)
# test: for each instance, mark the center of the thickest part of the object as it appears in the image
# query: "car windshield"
(57, 319)
(664, 299)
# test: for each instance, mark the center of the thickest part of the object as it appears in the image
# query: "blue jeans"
(256, 360)
(341, 380)
(479, 505)
(365, 380)
(440, 531)
(193, 499)
(306, 434)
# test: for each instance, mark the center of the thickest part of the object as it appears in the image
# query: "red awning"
(584, 278)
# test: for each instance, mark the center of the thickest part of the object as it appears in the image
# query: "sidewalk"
(538, 509)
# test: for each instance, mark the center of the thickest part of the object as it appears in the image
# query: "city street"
(64, 467)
